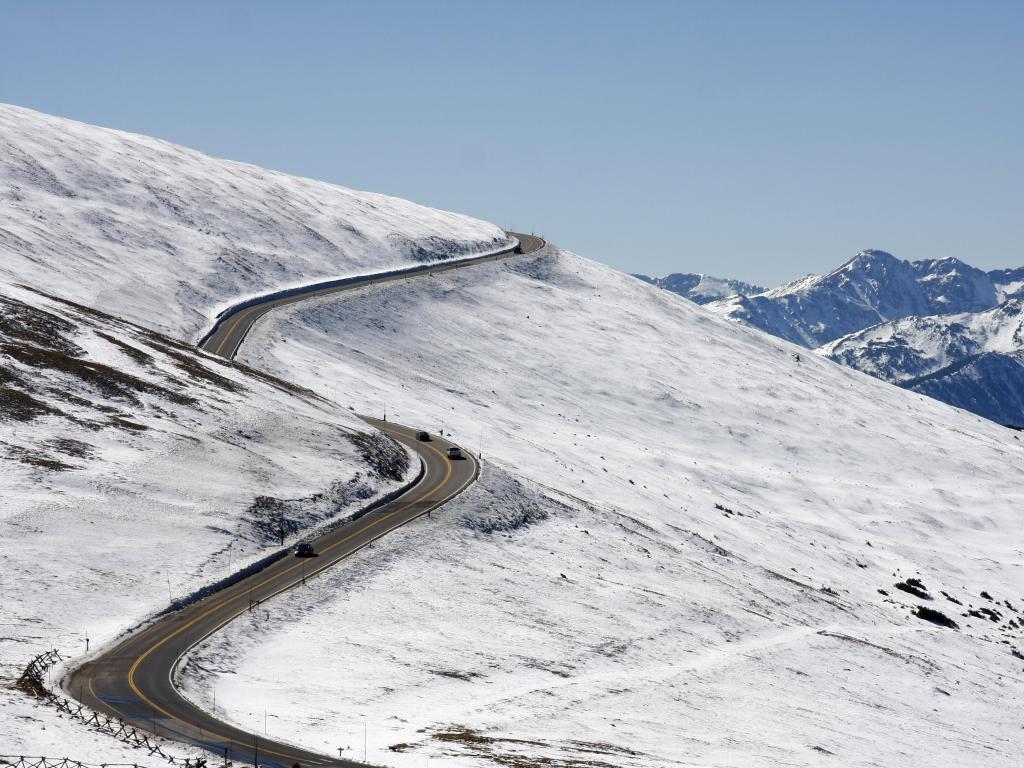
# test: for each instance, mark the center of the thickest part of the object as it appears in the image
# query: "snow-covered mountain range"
(690, 544)
(912, 347)
(940, 327)
(872, 287)
(972, 360)
(699, 288)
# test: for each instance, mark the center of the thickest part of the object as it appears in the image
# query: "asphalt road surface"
(231, 328)
(133, 680)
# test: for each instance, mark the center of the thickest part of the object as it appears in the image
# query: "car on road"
(454, 452)
(423, 436)
(305, 550)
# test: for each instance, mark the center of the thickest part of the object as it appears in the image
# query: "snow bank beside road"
(724, 508)
(166, 236)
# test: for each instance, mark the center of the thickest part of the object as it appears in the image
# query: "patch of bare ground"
(136, 354)
(104, 379)
(454, 674)
(36, 327)
(464, 735)
(16, 405)
(190, 364)
(925, 664)
(508, 751)
(38, 459)
(272, 519)
(163, 341)
(935, 617)
(71, 447)
(385, 457)
(132, 426)
(602, 748)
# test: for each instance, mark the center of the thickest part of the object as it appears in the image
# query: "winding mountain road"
(133, 679)
(227, 335)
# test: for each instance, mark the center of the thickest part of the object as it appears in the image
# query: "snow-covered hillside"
(135, 470)
(166, 236)
(692, 544)
(701, 289)
(872, 287)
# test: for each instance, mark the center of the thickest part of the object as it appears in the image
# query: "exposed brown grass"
(105, 379)
(16, 405)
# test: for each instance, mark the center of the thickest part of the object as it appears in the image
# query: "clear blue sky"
(756, 140)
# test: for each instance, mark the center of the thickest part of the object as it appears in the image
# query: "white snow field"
(135, 471)
(683, 549)
(167, 237)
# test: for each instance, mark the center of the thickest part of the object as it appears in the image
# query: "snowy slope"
(159, 467)
(136, 470)
(683, 549)
(674, 555)
(1008, 282)
(166, 236)
(701, 289)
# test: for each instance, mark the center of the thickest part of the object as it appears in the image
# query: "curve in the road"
(233, 324)
(134, 680)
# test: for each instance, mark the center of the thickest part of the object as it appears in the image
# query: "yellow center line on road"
(205, 614)
(264, 308)
(234, 325)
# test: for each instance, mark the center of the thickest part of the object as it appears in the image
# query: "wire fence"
(21, 761)
(33, 682)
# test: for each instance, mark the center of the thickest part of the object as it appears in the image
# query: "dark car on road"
(305, 550)
(454, 452)
(423, 436)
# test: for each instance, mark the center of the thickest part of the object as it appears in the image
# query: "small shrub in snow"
(985, 613)
(914, 587)
(935, 617)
